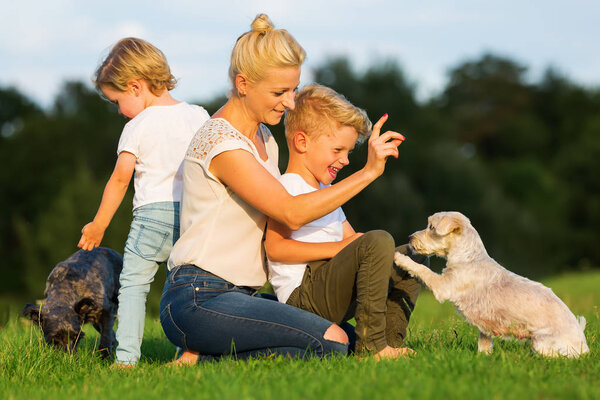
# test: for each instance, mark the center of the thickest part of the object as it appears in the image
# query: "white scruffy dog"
(495, 300)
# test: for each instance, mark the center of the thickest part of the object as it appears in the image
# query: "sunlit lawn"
(447, 365)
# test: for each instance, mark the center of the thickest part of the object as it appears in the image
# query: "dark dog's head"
(60, 324)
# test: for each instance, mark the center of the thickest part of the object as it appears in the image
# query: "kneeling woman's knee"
(380, 240)
(336, 334)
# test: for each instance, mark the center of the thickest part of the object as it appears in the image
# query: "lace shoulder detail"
(214, 132)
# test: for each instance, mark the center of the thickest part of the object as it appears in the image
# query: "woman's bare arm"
(239, 170)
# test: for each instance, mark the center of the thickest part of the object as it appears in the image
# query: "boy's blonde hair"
(131, 59)
(318, 107)
(261, 48)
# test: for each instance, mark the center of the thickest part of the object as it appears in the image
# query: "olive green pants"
(361, 281)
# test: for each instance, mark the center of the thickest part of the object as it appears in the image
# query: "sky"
(43, 44)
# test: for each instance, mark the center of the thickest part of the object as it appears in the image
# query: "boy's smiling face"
(327, 153)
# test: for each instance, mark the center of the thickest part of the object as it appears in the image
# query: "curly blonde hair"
(319, 109)
(130, 59)
(263, 47)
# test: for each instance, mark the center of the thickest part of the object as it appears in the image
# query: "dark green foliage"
(56, 166)
(520, 159)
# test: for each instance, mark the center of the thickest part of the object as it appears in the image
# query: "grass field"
(447, 365)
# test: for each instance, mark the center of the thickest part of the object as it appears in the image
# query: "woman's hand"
(381, 147)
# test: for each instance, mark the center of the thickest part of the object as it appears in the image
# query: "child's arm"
(281, 248)
(113, 195)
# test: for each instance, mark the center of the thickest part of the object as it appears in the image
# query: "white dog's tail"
(581, 321)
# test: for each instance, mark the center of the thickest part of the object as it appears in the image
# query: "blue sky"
(42, 44)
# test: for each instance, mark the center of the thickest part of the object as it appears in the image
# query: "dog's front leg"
(107, 333)
(433, 281)
(485, 343)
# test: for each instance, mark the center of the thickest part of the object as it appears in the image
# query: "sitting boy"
(325, 267)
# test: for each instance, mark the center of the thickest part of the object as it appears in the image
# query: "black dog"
(83, 288)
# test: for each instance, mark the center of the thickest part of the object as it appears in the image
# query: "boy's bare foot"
(187, 358)
(393, 352)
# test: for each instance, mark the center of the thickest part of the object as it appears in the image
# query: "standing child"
(325, 266)
(136, 77)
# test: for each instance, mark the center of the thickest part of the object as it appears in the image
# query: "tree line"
(520, 159)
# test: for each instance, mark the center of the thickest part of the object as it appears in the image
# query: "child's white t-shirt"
(286, 277)
(159, 137)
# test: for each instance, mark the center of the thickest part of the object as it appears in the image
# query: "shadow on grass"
(158, 350)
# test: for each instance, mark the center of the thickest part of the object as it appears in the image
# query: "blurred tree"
(55, 161)
(484, 98)
(578, 164)
(519, 131)
(58, 227)
(14, 109)
(519, 159)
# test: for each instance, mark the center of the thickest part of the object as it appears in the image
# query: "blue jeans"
(206, 314)
(154, 230)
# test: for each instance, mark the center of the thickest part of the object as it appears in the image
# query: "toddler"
(136, 77)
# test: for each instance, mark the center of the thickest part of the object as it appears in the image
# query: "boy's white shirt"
(286, 277)
(159, 137)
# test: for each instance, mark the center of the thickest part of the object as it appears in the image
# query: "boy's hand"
(381, 147)
(91, 237)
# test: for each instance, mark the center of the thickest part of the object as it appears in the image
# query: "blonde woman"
(209, 306)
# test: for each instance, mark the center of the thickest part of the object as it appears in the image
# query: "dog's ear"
(58, 273)
(448, 225)
(84, 306)
(33, 312)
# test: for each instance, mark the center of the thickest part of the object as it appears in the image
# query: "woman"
(230, 188)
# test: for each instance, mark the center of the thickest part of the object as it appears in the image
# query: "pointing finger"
(378, 125)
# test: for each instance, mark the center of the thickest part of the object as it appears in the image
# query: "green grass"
(447, 365)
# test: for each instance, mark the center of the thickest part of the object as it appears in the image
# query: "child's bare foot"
(393, 352)
(187, 358)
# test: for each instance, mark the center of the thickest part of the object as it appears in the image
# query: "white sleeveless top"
(220, 232)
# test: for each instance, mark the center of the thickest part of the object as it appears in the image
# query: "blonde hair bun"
(261, 48)
(262, 24)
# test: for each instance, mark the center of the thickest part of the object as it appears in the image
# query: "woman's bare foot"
(393, 352)
(187, 358)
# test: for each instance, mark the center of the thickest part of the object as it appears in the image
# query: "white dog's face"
(443, 230)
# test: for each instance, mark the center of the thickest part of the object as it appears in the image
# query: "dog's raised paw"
(402, 260)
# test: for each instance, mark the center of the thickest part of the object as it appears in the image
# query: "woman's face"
(268, 98)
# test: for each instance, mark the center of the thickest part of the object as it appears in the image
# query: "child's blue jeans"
(154, 230)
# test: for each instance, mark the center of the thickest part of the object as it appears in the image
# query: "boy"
(325, 267)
